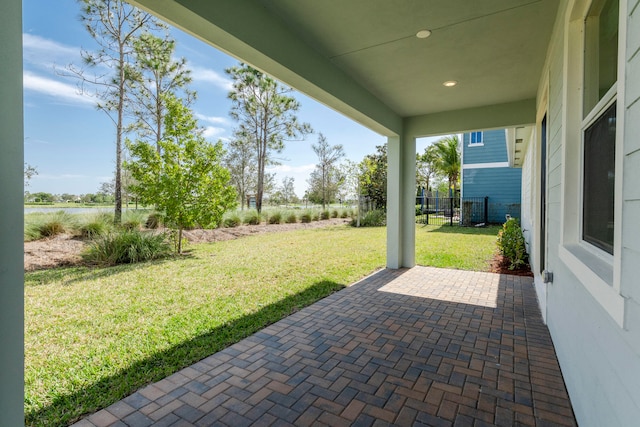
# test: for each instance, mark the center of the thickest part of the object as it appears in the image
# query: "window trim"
(476, 144)
(598, 272)
(600, 108)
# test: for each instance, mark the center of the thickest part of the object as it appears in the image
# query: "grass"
(93, 336)
(463, 248)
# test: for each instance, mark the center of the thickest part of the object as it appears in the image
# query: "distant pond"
(44, 209)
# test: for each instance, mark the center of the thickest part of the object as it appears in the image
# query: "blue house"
(487, 172)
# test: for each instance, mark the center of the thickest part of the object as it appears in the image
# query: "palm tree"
(446, 158)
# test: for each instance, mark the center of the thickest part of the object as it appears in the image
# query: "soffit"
(495, 49)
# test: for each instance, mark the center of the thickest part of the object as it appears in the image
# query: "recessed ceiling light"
(450, 83)
(423, 34)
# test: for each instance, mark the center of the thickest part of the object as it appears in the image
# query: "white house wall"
(598, 349)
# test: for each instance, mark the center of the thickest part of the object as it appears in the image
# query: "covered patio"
(420, 346)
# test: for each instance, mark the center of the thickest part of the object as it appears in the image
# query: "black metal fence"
(468, 211)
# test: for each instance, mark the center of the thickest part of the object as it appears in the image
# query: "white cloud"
(207, 75)
(54, 88)
(45, 52)
(211, 131)
(212, 119)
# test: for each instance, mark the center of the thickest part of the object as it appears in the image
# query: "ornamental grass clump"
(511, 244)
(291, 218)
(96, 226)
(127, 247)
(325, 214)
(231, 221)
(251, 218)
(305, 217)
(275, 217)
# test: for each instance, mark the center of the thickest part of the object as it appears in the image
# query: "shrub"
(251, 218)
(58, 223)
(324, 214)
(315, 216)
(512, 245)
(93, 229)
(334, 213)
(291, 218)
(305, 217)
(154, 220)
(375, 218)
(133, 220)
(51, 228)
(344, 214)
(127, 247)
(275, 218)
(233, 220)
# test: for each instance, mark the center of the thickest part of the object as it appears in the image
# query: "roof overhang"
(362, 57)
(517, 141)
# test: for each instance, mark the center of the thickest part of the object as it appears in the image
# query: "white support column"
(11, 216)
(401, 194)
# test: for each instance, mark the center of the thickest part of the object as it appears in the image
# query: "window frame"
(598, 110)
(476, 144)
(596, 270)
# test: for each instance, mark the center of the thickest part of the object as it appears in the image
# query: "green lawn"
(93, 336)
(463, 248)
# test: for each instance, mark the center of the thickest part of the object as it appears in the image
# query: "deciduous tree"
(373, 177)
(185, 179)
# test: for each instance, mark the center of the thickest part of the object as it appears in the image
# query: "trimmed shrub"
(127, 247)
(315, 216)
(305, 217)
(334, 213)
(251, 218)
(324, 214)
(512, 245)
(344, 214)
(291, 218)
(275, 218)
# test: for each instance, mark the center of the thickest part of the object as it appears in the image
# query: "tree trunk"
(117, 217)
(180, 241)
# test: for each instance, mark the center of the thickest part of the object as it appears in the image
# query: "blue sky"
(72, 144)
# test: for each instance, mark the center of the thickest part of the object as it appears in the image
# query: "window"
(599, 177)
(475, 138)
(599, 125)
(601, 51)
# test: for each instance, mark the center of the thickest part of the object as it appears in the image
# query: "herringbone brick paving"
(422, 346)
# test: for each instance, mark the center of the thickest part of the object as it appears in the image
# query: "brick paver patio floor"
(420, 346)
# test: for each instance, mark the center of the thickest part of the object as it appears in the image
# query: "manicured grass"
(463, 248)
(93, 336)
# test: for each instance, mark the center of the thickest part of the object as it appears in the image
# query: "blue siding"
(493, 150)
(501, 185)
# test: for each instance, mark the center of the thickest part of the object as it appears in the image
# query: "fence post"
(451, 211)
(486, 209)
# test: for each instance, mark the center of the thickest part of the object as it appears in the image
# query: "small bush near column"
(512, 245)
